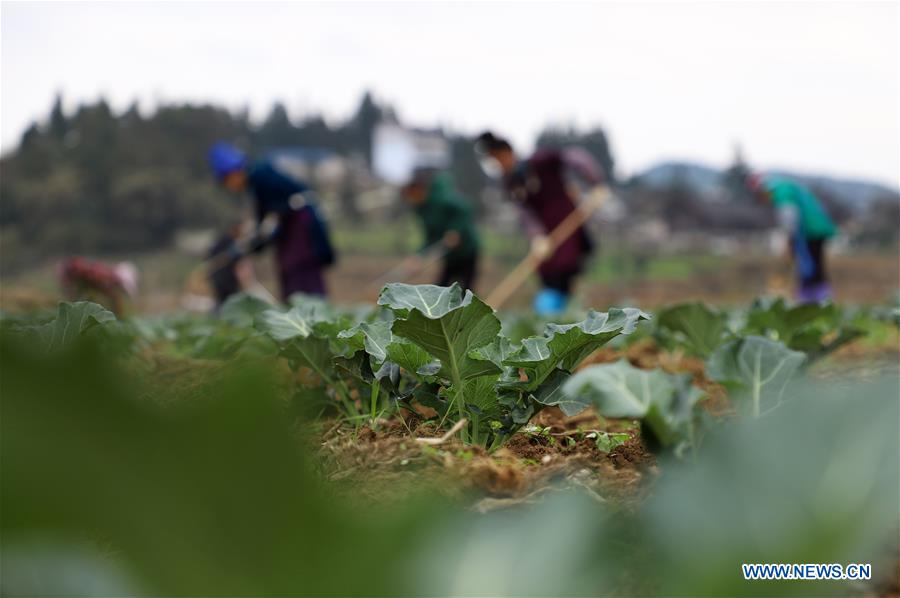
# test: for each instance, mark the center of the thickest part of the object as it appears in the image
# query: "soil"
(859, 278)
(387, 463)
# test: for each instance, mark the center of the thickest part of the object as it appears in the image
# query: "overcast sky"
(805, 85)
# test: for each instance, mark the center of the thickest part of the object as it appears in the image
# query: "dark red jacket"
(539, 185)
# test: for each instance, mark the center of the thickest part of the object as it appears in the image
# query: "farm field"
(667, 363)
(432, 446)
(611, 279)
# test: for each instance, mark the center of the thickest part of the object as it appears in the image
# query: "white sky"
(811, 86)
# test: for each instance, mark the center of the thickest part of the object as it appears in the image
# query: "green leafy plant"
(307, 337)
(695, 326)
(756, 370)
(72, 320)
(814, 328)
(664, 403)
(495, 384)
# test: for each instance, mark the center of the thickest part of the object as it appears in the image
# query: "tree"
(594, 141)
(362, 127)
(58, 126)
(277, 129)
(734, 179)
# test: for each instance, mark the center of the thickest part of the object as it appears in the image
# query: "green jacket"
(813, 221)
(445, 210)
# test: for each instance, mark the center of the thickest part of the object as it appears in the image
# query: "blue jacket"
(271, 189)
(277, 193)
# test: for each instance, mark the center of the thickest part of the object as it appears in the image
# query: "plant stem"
(376, 387)
(460, 408)
(457, 386)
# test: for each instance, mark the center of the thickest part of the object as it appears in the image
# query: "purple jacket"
(539, 185)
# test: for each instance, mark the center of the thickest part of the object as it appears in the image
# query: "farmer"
(447, 224)
(808, 227)
(285, 216)
(540, 186)
(111, 285)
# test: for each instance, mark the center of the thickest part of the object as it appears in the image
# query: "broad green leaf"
(446, 323)
(783, 321)
(672, 424)
(372, 338)
(620, 390)
(295, 332)
(697, 326)
(301, 321)
(565, 346)
(72, 320)
(496, 352)
(357, 365)
(284, 326)
(412, 358)
(481, 393)
(663, 402)
(241, 309)
(327, 322)
(311, 303)
(758, 368)
(551, 393)
(430, 300)
(815, 329)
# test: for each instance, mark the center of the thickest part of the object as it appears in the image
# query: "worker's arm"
(459, 220)
(265, 232)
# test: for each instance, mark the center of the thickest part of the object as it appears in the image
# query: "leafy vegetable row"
(442, 348)
(441, 352)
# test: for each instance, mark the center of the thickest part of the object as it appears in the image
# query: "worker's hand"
(596, 195)
(451, 239)
(268, 226)
(540, 247)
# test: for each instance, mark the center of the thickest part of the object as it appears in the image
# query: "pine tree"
(58, 126)
(734, 179)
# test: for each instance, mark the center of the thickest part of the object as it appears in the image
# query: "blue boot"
(550, 302)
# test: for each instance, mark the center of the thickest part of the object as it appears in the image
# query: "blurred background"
(108, 111)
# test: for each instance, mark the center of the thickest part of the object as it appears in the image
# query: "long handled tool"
(557, 237)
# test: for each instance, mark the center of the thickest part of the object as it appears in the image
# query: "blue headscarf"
(224, 159)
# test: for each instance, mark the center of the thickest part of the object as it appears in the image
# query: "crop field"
(431, 445)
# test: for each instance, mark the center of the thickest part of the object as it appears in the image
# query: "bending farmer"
(285, 217)
(540, 185)
(806, 223)
(110, 285)
(447, 224)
